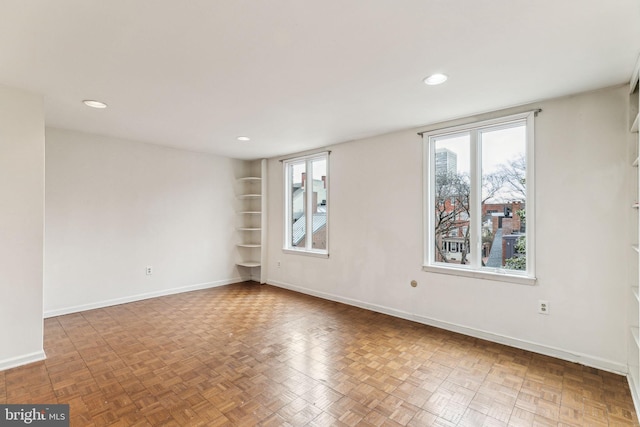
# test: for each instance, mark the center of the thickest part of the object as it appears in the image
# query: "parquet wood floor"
(245, 354)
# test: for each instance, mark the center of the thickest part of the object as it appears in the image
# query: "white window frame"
(308, 249)
(474, 269)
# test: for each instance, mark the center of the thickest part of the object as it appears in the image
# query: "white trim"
(287, 204)
(571, 356)
(531, 196)
(483, 117)
(634, 393)
(327, 190)
(255, 275)
(499, 275)
(473, 128)
(428, 191)
(25, 359)
(308, 208)
(635, 77)
(263, 224)
(317, 254)
(473, 124)
(139, 297)
(306, 156)
(475, 199)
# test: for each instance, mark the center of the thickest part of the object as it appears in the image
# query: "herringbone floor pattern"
(246, 354)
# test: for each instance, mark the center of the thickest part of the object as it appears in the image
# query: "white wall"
(583, 208)
(21, 226)
(114, 207)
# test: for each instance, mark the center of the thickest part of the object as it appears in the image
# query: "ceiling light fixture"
(94, 104)
(243, 138)
(435, 79)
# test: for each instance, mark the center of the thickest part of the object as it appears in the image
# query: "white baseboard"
(22, 360)
(139, 297)
(634, 393)
(583, 359)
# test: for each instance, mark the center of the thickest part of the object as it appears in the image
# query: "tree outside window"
(478, 196)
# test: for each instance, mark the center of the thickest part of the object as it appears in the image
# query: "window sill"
(520, 279)
(317, 254)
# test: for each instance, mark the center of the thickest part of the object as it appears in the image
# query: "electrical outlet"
(543, 307)
(278, 264)
(149, 270)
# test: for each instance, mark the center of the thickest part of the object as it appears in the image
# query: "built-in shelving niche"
(251, 229)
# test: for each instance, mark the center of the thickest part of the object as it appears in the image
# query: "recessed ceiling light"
(435, 79)
(94, 104)
(244, 138)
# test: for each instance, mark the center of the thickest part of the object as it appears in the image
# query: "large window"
(307, 204)
(479, 199)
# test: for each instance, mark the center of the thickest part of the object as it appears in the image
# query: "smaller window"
(307, 204)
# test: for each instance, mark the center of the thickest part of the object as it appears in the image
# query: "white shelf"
(633, 361)
(250, 264)
(251, 193)
(633, 82)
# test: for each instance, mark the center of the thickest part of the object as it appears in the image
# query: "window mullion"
(309, 205)
(288, 217)
(475, 201)
(530, 196)
(429, 176)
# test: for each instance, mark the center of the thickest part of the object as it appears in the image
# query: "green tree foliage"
(519, 260)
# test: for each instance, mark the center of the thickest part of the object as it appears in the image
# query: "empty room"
(319, 213)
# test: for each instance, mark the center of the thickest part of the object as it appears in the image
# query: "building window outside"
(307, 204)
(479, 199)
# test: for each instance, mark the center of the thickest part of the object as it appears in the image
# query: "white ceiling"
(299, 74)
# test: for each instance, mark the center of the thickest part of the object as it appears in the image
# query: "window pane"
(319, 203)
(451, 204)
(503, 197)
(297, 178)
